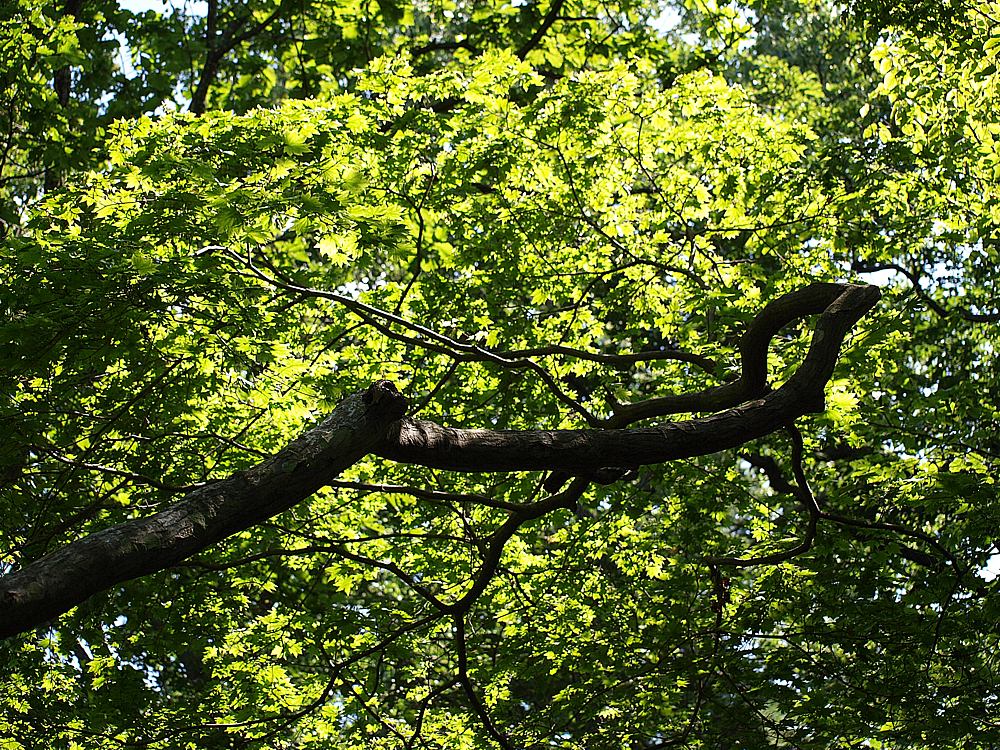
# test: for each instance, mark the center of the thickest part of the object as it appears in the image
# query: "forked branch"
(372, 422)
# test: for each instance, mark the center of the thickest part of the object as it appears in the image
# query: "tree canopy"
(498, 374)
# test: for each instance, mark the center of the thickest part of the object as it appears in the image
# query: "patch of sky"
(668, 20)
(992, 568)
(190, 8)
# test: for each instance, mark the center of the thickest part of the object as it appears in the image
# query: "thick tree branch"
(371, 423)
(547, 21)
(219, 45)
(62, 579)
(753, 345)
(582, 451)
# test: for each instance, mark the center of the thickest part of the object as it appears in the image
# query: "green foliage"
(368, 181)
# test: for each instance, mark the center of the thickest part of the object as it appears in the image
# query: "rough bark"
(753, 345)
(429, 444)
(68, 576)
(372, 423)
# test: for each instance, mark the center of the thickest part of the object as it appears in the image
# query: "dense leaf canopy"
(670, 474)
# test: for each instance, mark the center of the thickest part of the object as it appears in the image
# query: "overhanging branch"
(842, 305)
(55, 583)
(371, 422)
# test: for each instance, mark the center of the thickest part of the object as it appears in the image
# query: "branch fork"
(373, 422)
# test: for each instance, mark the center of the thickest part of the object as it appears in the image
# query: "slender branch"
(432, 495)
(801, 490)
(407, 579)
(111, 471)
(442, 381)
(335, 671)
(959, 568)
(547, 21)
(333, 547)
(804, 494)
(565, 499)
(622, 361)
(431, 339)
(469, 689)
(934, 305)
(424, 703)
